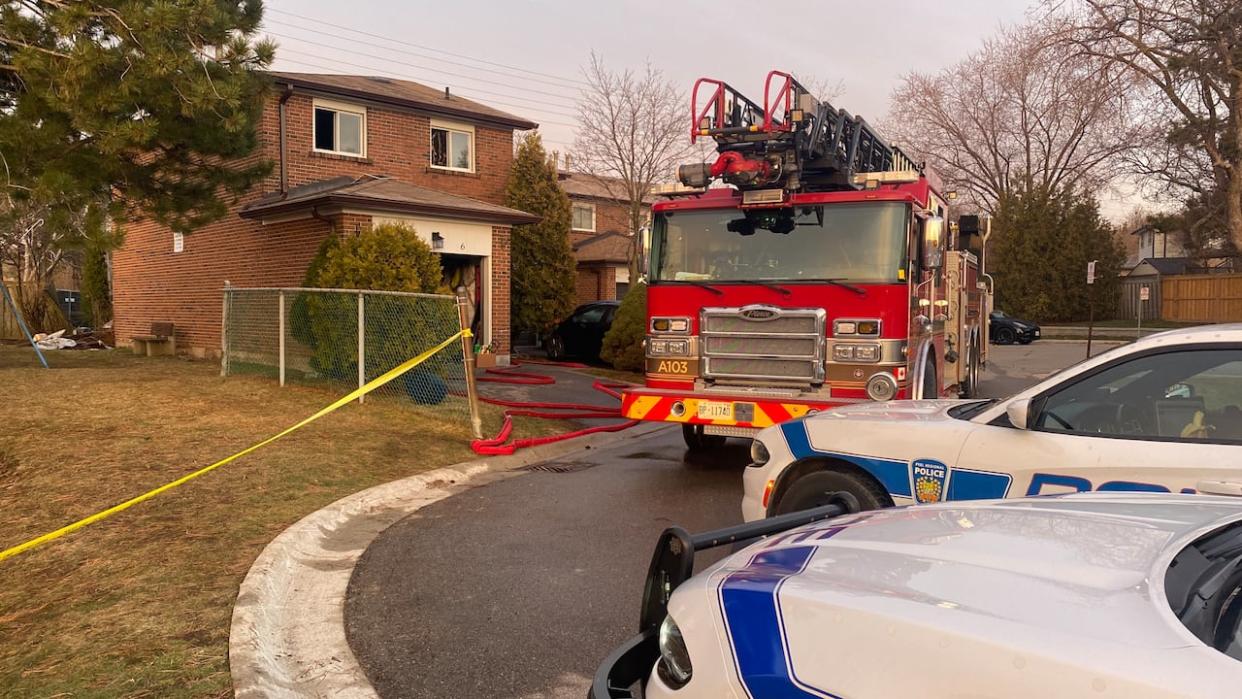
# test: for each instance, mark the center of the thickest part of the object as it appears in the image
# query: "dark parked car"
(582, 334)
(1006, 330)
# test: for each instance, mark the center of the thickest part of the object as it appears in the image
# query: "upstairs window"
(452, 146)
(340, 128)
(583, 217)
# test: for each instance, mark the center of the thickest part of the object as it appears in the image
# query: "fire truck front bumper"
(738, 415)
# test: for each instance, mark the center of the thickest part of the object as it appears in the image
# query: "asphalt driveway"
(519, 588)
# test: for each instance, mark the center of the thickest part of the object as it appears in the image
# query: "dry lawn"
(139, 605)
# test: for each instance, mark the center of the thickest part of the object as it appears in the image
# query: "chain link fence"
(341, 339)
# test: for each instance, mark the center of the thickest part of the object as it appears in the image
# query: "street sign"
(1144, 293)
(1091, 272)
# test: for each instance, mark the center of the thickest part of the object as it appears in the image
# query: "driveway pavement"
(519, 588)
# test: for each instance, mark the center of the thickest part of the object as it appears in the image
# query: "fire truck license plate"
(715, 410)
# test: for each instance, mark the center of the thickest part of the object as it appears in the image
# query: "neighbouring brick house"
(348, 152)
(600, 235)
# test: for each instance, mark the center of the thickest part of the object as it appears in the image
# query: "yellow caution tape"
(343, 400)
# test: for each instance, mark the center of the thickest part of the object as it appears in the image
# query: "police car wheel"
(696, 440)
(815, 489)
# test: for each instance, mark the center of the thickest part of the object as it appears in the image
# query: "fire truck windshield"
(863, 242)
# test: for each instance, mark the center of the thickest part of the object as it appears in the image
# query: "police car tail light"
(674, 667)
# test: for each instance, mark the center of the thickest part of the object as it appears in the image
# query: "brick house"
(348, 152)
(600, 235)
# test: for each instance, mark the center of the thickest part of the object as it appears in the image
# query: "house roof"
(605, 248)
(1166, 265)
(583, 185)
(401, 93)
(382, 194)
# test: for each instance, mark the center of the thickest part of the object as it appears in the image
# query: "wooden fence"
(1131, 288)
(9, 329)
(1206, 298)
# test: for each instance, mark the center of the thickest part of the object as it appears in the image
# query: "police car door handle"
(1213, 487)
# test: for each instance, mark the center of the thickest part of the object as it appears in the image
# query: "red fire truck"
(824, 274)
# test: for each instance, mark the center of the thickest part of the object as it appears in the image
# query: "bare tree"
(1019, 113)
(1190, 53)
(633, 131)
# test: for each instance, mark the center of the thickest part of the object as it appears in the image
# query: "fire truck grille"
(762, 344)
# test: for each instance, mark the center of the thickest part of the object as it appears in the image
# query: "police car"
(1100, 595)
(1161, 414)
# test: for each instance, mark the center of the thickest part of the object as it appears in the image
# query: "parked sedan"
(1004, 329)
(1132, 595)
(1160, 414)
(581, 335)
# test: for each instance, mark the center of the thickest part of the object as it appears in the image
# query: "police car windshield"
(1204, 588)
(843, 242)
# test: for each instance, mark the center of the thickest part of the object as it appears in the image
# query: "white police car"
(1100, 595)
(1161, 414)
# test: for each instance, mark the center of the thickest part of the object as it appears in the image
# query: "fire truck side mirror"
(933, 242)
(644, 251)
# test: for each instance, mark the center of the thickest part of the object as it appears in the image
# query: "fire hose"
(500, 444)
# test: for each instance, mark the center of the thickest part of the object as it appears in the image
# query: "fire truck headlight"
(867, 353)
(678, 348)
(657, 347)
(842, 353)
(670, 325)
(881, 387)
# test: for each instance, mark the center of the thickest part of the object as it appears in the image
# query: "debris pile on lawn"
(81, 338)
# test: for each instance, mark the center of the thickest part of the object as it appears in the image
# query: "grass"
(139, 605)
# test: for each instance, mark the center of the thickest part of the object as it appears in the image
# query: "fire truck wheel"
(931, 385)
(970, 385)
(1005, 336)
(816, 488)
(697, 441)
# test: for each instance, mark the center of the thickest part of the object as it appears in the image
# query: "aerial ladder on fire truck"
(793, 142)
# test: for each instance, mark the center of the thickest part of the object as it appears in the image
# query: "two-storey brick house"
(348, 152)
(600, 234)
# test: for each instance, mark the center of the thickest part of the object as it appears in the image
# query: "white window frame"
(178, 242)
(347, 108)
(451, 126)
(594, 213)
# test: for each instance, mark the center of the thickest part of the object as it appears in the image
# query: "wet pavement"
(519, 588)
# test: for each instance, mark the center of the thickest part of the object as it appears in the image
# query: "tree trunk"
(1233, 207)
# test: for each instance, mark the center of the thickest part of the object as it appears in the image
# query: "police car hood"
(1040, 576)
(909, 410)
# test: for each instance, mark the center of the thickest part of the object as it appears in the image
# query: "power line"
(428, 48)
(319, 66)
(469, 95)
(492, 71)
(415, 65)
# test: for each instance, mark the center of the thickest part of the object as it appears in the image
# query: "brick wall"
(151, 283)
(610, 217)
(500, 290)
(596, 283)
(398, 145)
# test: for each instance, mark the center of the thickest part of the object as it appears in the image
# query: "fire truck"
(818, 271)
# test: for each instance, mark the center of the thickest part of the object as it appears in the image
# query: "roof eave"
(515, 122)
(386, 206)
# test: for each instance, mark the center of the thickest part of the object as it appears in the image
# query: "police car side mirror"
(1019, 413)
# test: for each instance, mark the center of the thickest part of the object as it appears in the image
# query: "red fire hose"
(500, 444)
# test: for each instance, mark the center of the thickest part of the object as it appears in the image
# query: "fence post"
(280, 308)
(467, 357)
(224, 330)
(362, 345)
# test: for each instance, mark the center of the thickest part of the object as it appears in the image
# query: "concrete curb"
(287, 637)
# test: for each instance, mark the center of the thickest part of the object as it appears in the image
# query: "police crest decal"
(929, 480)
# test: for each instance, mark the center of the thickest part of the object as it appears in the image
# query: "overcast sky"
(526, 57)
